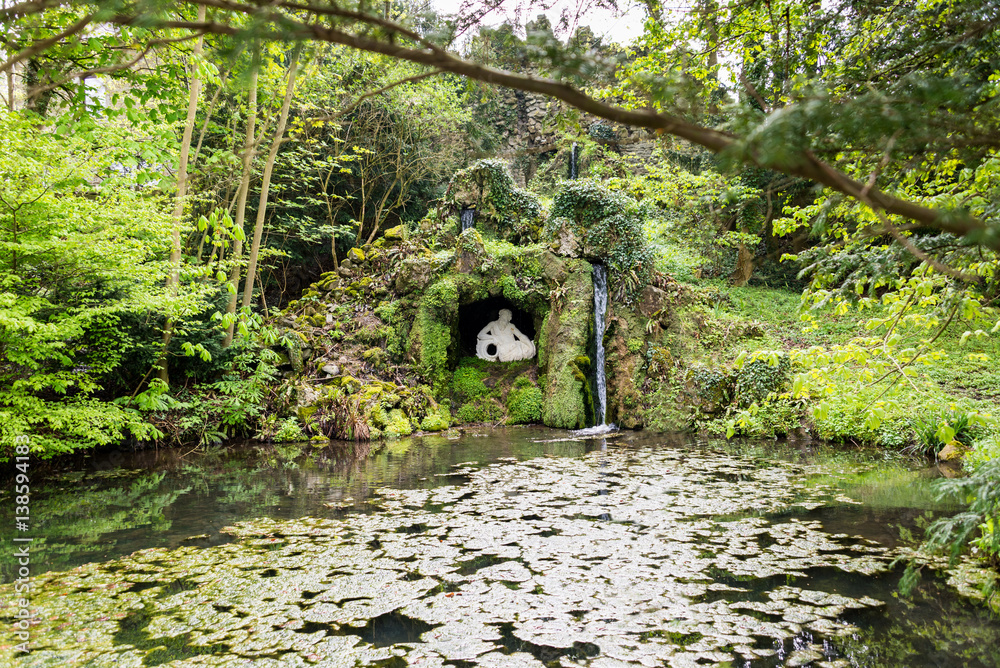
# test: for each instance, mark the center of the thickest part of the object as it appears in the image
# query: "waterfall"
(572, 162)
(468, 218)
(600, 308)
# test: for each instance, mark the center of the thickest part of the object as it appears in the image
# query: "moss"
(524, 402)
(434, 422)
(395, 233)
(356, 255)
(431, 337)
(487, 409)
(377, 358)
(398, 424)
(567, 335)
(467, 383)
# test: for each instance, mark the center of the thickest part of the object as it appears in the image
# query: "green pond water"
(519, 547)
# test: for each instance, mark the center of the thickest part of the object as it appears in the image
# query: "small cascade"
(468, 217)
(600, 309)
(572, 162)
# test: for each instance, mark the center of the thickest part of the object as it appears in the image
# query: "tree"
(82, 249)
(788, 140)
(279, 134)
(180, 196)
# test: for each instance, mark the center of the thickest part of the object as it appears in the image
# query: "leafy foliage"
(81, 250)
(489, 187)
(609, 226)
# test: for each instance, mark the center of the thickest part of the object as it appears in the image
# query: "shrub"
(609, 227)
(524, 402)
(766, 374)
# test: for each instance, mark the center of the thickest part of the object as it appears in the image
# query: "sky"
(614, 28)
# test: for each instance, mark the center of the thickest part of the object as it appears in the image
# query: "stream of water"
(468, 218)
(600, 311)
(517, 547)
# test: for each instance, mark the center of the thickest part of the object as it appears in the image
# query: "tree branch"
(805, 164)
(43, 44)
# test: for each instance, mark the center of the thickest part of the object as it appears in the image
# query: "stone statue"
(501, 341)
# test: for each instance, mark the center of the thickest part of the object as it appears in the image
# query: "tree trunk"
(241, 207)
(710, 10)
(265, 185)
(744, 267)
(173, 279)
(10, 88)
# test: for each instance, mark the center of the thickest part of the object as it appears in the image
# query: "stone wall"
(530, 129)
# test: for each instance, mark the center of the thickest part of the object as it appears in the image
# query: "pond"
(518, 547)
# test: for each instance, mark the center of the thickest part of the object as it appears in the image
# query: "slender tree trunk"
(10, 88)
(265, 185)
(173, 280)
(241, 207)
(710, 12)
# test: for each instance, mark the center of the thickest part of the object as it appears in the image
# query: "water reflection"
(168, 498)
(639, 512)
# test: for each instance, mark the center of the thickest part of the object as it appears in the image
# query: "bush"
(524, 402)
(761, 377)
(938, 428)
(609, 226)
(289, 431)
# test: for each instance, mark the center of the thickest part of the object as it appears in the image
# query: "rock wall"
(529, 128)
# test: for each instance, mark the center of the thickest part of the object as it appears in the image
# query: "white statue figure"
(501, 341)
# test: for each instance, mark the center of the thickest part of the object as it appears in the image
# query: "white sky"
(621, 28)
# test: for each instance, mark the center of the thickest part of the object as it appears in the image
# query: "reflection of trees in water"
(164, 498)
(933, 627)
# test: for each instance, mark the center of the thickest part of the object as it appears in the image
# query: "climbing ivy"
(609, 227)
(513, 212)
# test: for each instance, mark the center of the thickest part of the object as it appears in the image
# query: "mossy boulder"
(398, 425)
(397, 233)
(414, 274)
(431, 337)
(356, 256)
(566, 336)
(469, 251)
(503, 211)
(625, 348)
(524, 402)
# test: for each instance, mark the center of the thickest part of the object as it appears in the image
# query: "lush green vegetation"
(240, 220)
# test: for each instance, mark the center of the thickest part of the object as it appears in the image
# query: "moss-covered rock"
(524, 402)
(356, 255)
(413, 275)
(469, 251)
(503, 211)
(567, 333)
(605, 226)
(431, 340)
(624, 346)
(398, 425)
